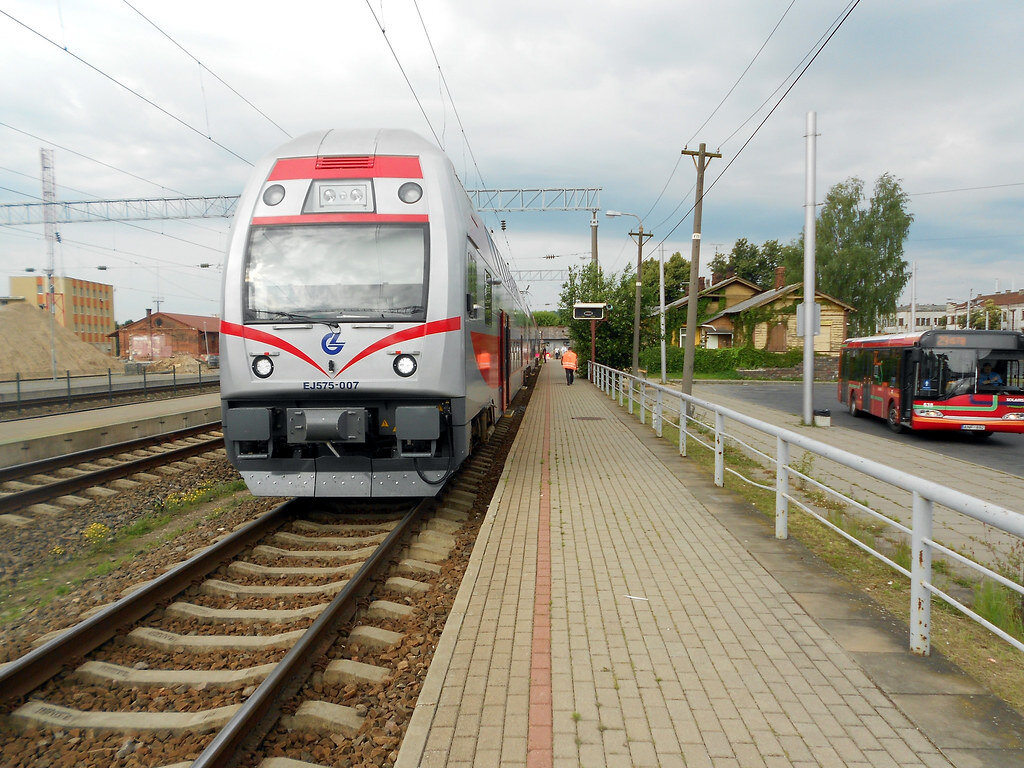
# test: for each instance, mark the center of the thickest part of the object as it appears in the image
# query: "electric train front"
(339, 381)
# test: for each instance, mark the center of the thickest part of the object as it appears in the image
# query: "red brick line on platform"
(540, 752)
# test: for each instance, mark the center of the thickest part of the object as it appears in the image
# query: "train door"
(503, 359)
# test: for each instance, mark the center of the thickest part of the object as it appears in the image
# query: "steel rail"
(116, 396)
(260, 712)
(43, 663)
(42, 466)
(69, 485)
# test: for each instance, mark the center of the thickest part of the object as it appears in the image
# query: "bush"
(722, 362)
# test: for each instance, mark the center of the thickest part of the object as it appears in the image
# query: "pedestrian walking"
(569, 364)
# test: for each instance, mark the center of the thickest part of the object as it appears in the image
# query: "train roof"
(357, 142)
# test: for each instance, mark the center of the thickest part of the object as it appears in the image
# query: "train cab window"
(337, 272)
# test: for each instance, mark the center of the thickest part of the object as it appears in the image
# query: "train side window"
(472, 284)
(488, 297)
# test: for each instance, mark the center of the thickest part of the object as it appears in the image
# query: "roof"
(198, 322)
(773, 295)
(714, 289)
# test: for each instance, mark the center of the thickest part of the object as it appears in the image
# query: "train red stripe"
(378, 166)
(255, 334)
(419, 331)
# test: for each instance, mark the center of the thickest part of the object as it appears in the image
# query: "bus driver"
(988, 377)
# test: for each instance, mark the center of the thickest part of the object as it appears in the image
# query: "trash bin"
(823, 418)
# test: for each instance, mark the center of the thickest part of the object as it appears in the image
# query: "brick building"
(161, 335)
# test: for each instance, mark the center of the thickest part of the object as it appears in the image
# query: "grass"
(108, 550)
(982, 654)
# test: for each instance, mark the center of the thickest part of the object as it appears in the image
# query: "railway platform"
(43, 437)
(621, 610)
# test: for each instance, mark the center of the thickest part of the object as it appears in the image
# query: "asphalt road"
(1002, 451)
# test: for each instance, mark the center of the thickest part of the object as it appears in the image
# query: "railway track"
(15, 408)
(283, 639)
(58, 481)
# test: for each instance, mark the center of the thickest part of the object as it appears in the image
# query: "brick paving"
(610, 618)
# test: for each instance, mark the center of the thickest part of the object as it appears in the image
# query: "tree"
(748, 261)
(614, 335)
(545, 317)
(677, 279)
(859, 252)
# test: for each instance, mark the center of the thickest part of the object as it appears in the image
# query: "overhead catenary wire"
(444, 82)
(408, 82)
(203, 66)
(125, 87)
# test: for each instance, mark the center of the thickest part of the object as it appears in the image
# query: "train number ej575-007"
(330, 384)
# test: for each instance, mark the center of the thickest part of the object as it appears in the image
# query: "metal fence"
(660, 405)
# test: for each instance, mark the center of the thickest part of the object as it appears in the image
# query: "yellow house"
(720, 296)
(768, 321)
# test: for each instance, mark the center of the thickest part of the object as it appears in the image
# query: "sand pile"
(180, 363)
(25, 346)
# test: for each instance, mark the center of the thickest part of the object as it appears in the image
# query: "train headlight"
(262, 366)
(405, 365)
(410, 192)
(339, 197)
(931, 413)
(273, 194)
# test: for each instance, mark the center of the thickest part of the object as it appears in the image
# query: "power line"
(203, 66)
(833, 27)
(743, 74)
(86, 157)
(451, 98)
(117, 82)
(402, 70)
(967, 189)
(715, 111)
(852, 6)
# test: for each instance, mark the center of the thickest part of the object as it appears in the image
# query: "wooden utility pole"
(641, 238)
(700, 157)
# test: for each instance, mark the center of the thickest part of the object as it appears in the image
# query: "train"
(371, 332)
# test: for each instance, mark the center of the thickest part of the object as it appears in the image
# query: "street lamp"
(639, 235)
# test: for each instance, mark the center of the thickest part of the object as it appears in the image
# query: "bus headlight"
(930, 413)
(1019, 416)
(405, 365)
(262, 366)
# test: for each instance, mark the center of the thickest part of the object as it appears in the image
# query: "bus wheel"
(852, 405)
(893, 419)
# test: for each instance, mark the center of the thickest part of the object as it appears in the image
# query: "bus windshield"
(337, 273)
(949, 372)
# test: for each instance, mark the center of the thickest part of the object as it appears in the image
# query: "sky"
(154, 99)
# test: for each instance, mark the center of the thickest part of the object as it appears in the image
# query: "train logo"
(330, 343)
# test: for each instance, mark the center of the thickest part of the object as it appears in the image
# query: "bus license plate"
(973, 427)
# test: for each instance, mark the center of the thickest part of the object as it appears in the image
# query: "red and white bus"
(971, 381)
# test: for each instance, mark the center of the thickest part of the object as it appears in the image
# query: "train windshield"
(336, 273)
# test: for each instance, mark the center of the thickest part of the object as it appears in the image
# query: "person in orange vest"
(569, 364)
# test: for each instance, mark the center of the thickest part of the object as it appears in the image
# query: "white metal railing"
(661, 402)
